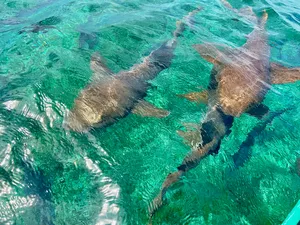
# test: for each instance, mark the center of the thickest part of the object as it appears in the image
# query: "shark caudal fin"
(282, 75)
(212, 131)
(163, 55)
(187, 20)
(190, 161)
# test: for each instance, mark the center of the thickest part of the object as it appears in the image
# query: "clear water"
(50, 176)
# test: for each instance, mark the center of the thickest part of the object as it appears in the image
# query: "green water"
(109, 176)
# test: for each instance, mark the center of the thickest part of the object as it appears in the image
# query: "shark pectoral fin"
(282, 75)
(190, 137)
(199, 97)
(258, 111)
(214, 53)
(146, 109)
(98, 66)
(191, 126)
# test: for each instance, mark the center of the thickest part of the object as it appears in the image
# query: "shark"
(42, 26)
(109, 97)
(244, 152)
(239, 81)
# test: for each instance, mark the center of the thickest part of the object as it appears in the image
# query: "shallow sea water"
(109, 176)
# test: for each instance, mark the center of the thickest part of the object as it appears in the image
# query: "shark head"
(98, 105)
(82, 117)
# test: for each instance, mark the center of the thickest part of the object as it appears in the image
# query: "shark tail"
(185, 21)
(190, 161)
(212, 132)
(163, 55)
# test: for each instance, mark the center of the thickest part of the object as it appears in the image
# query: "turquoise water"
(109, 176)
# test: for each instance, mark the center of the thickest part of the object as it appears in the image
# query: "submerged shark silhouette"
(239, 81)
(108, 98)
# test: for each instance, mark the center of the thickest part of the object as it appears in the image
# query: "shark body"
(239, 81)
(110, 97)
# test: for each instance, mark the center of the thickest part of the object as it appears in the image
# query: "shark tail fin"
(187, 20)
(163, 55)
(189, 162)
(212, 132)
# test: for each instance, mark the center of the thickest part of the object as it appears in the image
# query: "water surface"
(108, 176)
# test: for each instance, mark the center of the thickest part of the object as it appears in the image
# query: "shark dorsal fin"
(263, 19)
(98, 66)
(214, 53)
